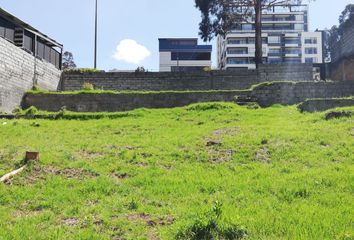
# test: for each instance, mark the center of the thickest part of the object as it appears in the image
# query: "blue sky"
(142, 22)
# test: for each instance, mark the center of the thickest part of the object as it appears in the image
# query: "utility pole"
(95, 60)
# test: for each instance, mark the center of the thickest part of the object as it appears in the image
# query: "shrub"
(81, 70)
(212, 228)
(209, 106)
(30, 112)
(88, 87)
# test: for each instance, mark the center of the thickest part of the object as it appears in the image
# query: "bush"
(30, 112)
(88, 87)
(81, 70)
(209, 106)
(212, 228)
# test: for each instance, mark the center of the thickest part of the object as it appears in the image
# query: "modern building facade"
(285, 36)
(183, 55)
(30, 39)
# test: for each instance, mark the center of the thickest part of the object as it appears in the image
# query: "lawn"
(150, 174)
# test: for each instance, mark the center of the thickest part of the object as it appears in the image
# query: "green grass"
(153, 174)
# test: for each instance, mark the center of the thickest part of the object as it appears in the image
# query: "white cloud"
(131, 52)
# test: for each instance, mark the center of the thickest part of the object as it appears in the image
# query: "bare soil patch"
(262, 155)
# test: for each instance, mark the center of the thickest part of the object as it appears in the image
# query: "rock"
(338, 114)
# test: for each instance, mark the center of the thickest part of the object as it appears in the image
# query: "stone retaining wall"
(289, 93)
(106, 102)
(318, 105)
(286, 93)
(19, 71)
(164, 81)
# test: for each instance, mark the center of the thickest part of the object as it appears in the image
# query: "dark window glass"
(28, 41)
(186, 69)
(187, 56)
(40, 50)
(10, 34)
(47, 53)
(2, 31)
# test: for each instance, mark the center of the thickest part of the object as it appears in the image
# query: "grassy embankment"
(151, 173)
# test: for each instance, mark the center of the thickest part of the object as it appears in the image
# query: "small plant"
(207, 69)
(212, 228)
(133, 205)
(88, 87)
(81, 70)
(30, 112)
(209, 106)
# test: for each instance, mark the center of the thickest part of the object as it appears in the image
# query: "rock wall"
(267, 94)
(289, 93)
(318, 105)
(164, 81)
(116, 102)
(19, 71)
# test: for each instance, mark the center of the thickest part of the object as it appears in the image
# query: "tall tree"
(347, 14)
(68, 60)
(220, 16)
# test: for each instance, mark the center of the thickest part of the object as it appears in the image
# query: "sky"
(128, 30)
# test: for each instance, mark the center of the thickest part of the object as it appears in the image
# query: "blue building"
(183, 54)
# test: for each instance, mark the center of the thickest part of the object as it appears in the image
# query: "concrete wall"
(288, 93)
(215, 80)
(122, 101)
(266, 95)
(317, 105)
(19, 70)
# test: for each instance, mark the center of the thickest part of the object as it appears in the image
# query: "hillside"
(150, 174)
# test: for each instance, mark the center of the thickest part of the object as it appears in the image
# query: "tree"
(334, 35)
(347, 14)
(68, 60)
(220, 16)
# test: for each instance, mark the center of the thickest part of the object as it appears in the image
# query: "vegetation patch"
(155, 174)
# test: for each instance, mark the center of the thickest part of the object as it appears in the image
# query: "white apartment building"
(285, 36)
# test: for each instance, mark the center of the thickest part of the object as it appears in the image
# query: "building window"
(190, 56)
(311, 40)
(311, 50)
(296, 51)
(292, 41)
(186, 69)
(237, 41)
(274, 52)
(28, 40)
(247, 27)
(292, 60)
(311, 60)
(7, 29)
(274, 39)
(274, 60)
(237, 51)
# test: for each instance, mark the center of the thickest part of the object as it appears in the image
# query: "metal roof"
(49, 41)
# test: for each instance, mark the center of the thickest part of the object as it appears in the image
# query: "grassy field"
(151, 174)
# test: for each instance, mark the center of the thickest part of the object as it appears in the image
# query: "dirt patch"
(71, 222)
(40, 172)
(227, 131)
(149, 220)
(120, 175)
(262, 155)
(24, 214)
(89, 154)
(216, 155)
